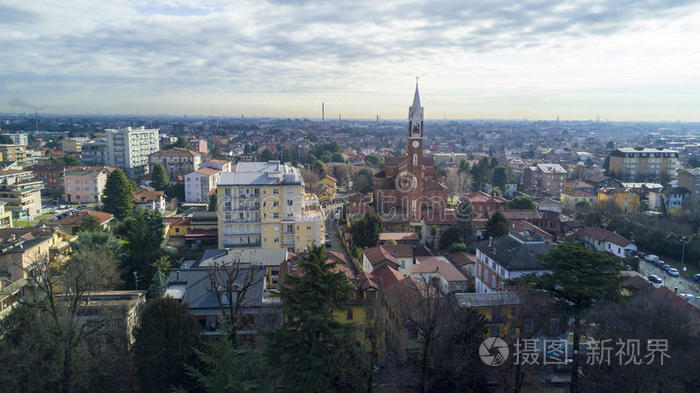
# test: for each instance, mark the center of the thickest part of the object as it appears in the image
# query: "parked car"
(688, 296)
(665, 267)
(655, 279)
(652, 258)
(673, 272)
(696, 277)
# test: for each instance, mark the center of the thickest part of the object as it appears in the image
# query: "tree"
(319, 168)
(51, 352)
(159, 177)
(647, 316)
(166, 339)
(341, 173)
(374, 160)
(433, 232)
(183, 143)
(143, 232)
(266, 155)
(521, 202)
(448, 237)
(337, 157)
(365, 231)
(497, 225)
(216, 152)
(465, 215)
(118, 195)
(500, 177)
(213, 203)
(496, 192)
(579, 277)
(310, 350)
(230, 284)
(88, 224)
(363, 181)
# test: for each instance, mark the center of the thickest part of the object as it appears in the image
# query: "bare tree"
(230, 283)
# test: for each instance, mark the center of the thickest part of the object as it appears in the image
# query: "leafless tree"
(230, 283)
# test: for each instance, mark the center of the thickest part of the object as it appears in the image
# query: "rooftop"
(515, 251)
(487, 299)
(262, 173)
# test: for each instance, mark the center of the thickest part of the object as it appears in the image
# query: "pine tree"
(497, 225)
(309, 349)
(118, 195)
(159, 177)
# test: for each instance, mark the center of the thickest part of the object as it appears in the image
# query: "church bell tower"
(415, 156)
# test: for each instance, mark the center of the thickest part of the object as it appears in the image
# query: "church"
(407, 192)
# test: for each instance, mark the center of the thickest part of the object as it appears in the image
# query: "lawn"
(31, 223)
(692, 265)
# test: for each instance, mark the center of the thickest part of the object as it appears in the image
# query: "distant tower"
(323, 112)
(377, 118)
(339, 118)
(557, 118)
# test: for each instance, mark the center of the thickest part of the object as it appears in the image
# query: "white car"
(673, 272)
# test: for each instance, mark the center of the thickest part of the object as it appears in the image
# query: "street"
(683, 285)
(332, 231)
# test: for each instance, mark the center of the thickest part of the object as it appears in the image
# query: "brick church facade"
(408, 190)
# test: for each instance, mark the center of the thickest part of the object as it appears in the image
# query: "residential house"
(465, 262)
(690, 179)
(85, 184)
(222, 165)
(508, 257)
(200, 184)
(148, 198)
(398, 237)
(400, 257)
(576, 197)
(177, 226)
(484, 205)
(177, 161)
(602, 240)
(620, 198)
(497, 308)
(438, 271)
(668, 198)
(23, 248)
(71, 222)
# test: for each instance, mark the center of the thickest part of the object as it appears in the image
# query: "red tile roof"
(386, 276)
(462, 258)
(77, 218)
(439, 265)
(398, 236)
(603, 235)
(377, 255)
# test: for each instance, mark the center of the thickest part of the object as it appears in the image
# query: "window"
(413, 205)
(415, 159)
(276, 228)
(275, 191)
(275, 203)
(554, 326)
(370, 313)
(290, 202)
(349, 314)
(276, 215)
(412, 333)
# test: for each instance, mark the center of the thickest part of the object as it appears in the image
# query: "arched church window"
(415, 159)
(415, 182)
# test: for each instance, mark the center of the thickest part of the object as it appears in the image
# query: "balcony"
(242, 245)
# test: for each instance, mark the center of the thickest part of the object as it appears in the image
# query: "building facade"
(85, 184)
(263, 204)
(18, 138)
(690, 179)
(547, 178)
(177, 161)
(21, 192)
(94, 153)
(13, 152)
(639, 164)
(73, 145)
(200, 184)
(128, 148)
(407, 190)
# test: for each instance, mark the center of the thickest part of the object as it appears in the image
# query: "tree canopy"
(497, 225)
(118, 194)
(159, 177)
(143, 232)
(365, 231)
(521, 202)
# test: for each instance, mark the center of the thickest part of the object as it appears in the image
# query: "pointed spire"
(416, 97)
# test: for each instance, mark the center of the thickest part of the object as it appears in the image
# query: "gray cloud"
(18, 102)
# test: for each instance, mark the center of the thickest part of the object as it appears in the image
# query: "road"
(683, 285)
(332, 231)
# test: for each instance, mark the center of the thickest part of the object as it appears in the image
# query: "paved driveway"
(683, 285)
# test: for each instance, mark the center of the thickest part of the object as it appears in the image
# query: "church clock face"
(415, 144)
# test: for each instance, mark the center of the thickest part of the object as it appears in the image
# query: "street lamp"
(684, 242)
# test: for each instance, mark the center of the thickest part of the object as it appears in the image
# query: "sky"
(635, 60)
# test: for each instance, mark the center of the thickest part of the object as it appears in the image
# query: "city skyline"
(622, 61)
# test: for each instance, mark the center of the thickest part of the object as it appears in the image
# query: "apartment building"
(507, 257)
(263, 204)
(128, 148)
(18, 138)
(639, 164)
(13, 152)
(93, 153)
(690, 179)
(73, 145)
(222, 165)
(85, 184)
(21, 192)
(200, 183)
(546, 178)
(177, 161)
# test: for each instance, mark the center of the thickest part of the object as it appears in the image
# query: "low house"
(573, 198)
(197, 288)
(484, 205)
(398, 237)
(508, 257)
(668, 198)
(270, 259)
(440, 272)
(465, 262)
(70, 223)
(177, 226)
(602, 240)
(399, 256)
(148, 198)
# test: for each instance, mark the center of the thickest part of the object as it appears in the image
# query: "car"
(665, 267)
(655, 279)
(659, 263)
(329, 244)
(696, 277)
(652, 258)
(673, 272)
(688, 296)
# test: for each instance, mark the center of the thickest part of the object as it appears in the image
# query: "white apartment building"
(18, 138)
(200, 183)
(263, 205)
(128, 148)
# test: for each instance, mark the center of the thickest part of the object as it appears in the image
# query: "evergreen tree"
(212, 203)
(308, 351)
(579, 277)
(448, 237)
(143, 232)
(166, 339)
(497, 225)
(500, 177)
(118, 194)
(521, 202)
(159, 177)
(365, 231)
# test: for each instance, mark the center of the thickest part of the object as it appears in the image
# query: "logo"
(493, 351)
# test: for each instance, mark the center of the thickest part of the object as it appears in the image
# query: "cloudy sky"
(535, 59)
